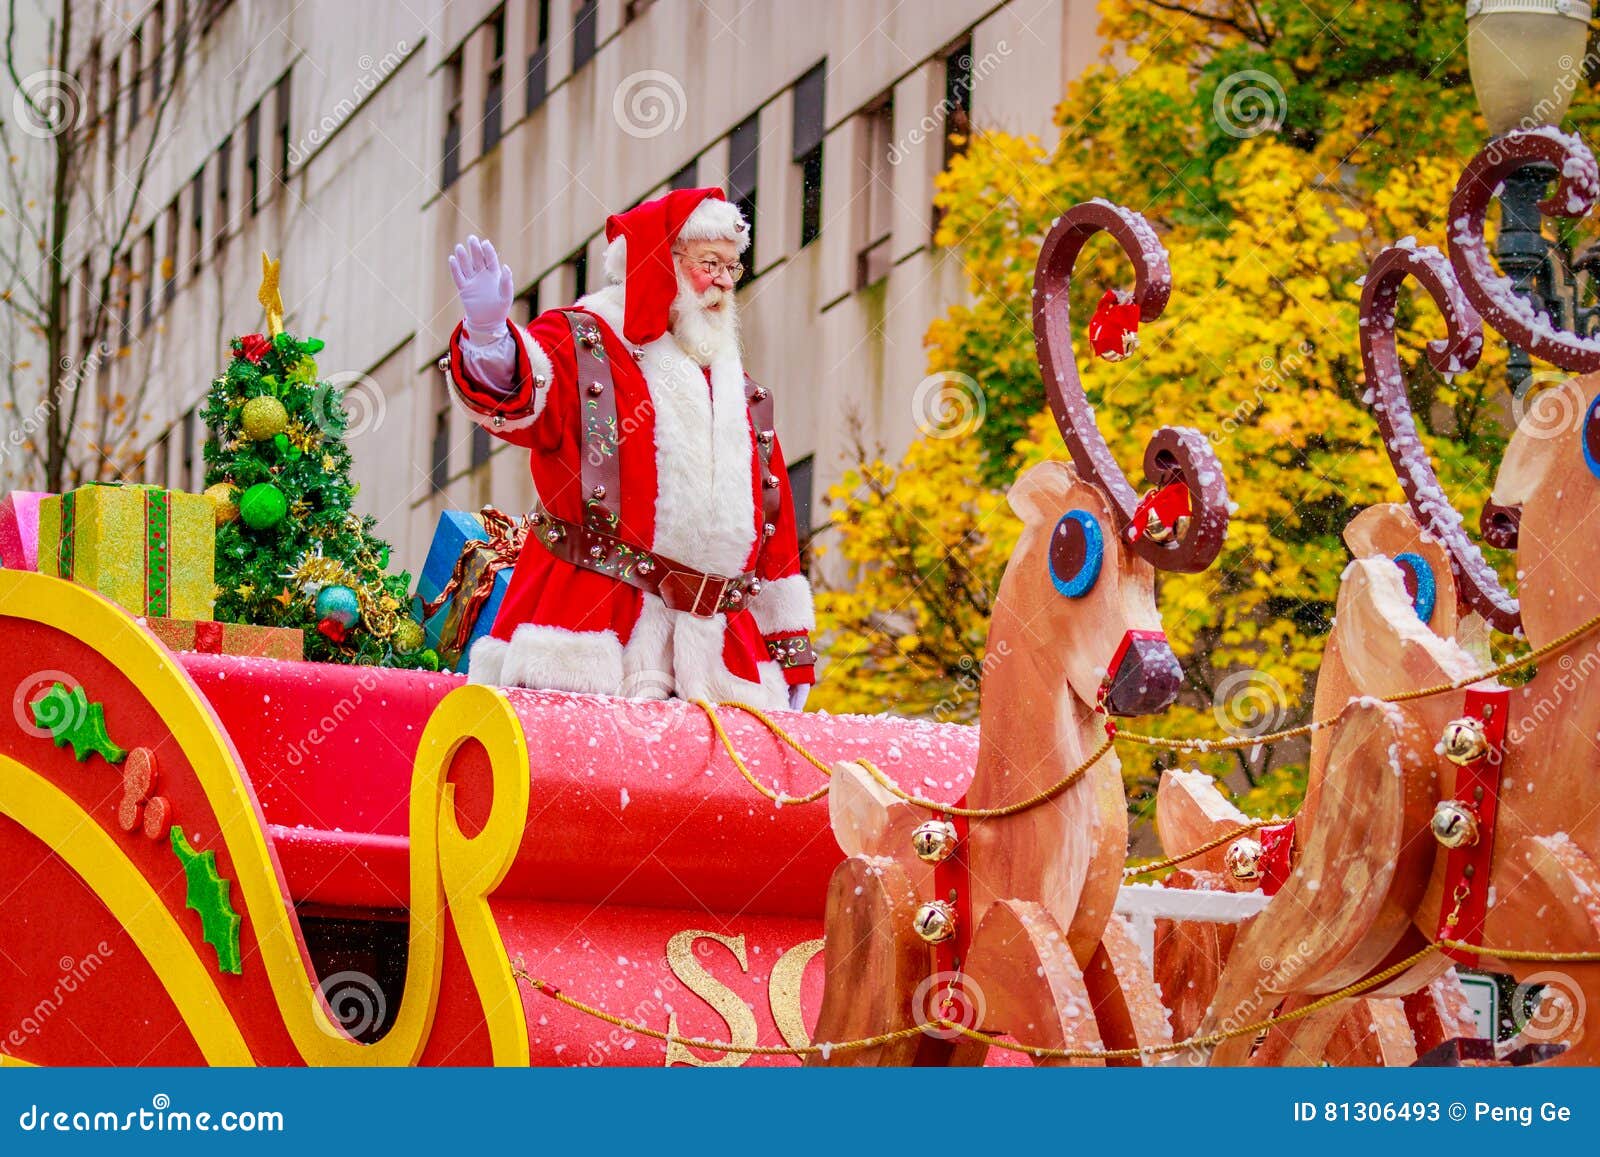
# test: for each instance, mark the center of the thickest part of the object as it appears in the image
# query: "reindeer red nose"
(1143, 676)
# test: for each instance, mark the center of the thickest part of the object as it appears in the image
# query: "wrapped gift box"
(151, 550)
(464, 580)
(214, 638)
(19, 529)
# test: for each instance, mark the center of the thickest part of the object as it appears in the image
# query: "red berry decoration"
(1114, 328)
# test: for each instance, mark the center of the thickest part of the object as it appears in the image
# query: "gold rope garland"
(1174, 861)
(1208, 1040)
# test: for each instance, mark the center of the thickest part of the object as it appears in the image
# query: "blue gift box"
(452, 538)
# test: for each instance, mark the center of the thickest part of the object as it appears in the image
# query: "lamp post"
(1526, 58)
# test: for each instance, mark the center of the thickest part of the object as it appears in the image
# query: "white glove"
(797, 696)
(484, 286)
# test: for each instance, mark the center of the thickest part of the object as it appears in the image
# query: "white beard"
(705, 334)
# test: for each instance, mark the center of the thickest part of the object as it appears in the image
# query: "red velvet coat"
(690, 491)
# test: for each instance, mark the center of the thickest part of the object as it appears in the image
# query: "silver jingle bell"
(1243, 859)
(935, 921)
(1454, 824)
(934, 840)
(1464, 740)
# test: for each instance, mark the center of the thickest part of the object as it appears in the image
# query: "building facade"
(358, 140)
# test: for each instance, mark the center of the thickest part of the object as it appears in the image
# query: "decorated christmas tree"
(290, 550)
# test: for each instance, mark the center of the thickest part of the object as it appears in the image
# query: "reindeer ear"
(1040, 495)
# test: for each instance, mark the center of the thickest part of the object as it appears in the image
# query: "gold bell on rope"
(935, 921)
(934, 840)
(1464, 740)
(1243, 859)
(1454, 824)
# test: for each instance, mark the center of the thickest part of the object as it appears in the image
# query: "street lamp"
(1526, 58)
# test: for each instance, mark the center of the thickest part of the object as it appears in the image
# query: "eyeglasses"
(713, 268)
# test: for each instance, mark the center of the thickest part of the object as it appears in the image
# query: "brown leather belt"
(680, 587)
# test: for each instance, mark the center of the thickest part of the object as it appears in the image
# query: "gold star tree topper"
(267, 295)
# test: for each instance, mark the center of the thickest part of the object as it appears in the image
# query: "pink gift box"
(19, 529)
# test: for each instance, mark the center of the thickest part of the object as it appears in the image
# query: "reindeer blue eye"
(1077, 548)
(1591, 438)
(1419, 581)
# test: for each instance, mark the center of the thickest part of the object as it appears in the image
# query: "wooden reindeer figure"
(1492, 836)
(1003, 919)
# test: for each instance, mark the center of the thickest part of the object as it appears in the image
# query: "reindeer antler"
(1477, 586)
(1492, 295)
(1174, 452)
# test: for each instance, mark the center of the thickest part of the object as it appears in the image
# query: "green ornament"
(263, 506)
(263, 417)
(286, 448)
(408, 636)
(428, 660)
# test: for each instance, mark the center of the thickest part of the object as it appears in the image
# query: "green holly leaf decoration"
(70, 717)
(208, 895)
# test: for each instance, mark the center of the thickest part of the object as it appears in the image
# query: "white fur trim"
(615, 261)
(784, 605)
(485, 661)
(716, 220)
(700, 673)
(705, 509)
(540, 365)
(557, 659)
(647, 657)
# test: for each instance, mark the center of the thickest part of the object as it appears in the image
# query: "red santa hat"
(639, 255)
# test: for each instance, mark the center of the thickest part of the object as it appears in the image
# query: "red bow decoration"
(1114, 328)
(333, 630)
(1277, 856)
(253, 346)
(1159, 510)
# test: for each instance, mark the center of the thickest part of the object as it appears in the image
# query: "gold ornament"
(245, 590)
(934, 841)
(408, 636)
(299, 508)
(935, 921)
(328, 464)
(1454, 824)
(263, 417)
(225, 498)
(301, 436)
(1243, 859)
(268, 296)
(1464, 740)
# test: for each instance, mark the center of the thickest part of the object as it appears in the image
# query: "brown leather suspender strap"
(600, 472)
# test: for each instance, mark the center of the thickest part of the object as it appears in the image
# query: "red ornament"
(1156, 517)
(333, 630)
(1114, 328)
(254, 346)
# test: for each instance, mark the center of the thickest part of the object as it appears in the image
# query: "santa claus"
(663, 556)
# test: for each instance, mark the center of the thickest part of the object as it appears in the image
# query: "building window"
(180, 36)
(744, 145)
(252, 157)
(282, 103)
(539, 58)
(874, 202)
(452, 122)
(809, 127)
(156, 34)
(197, 221)
(224, 189)
(439, 452)
(480, 446)
(189, 480)
(169, 259)
(147, 275)
(113, 109)
(687, 177)
(526, 307)
(957, 99)
(580, 272)
(86, 311)
(497, 80)
(163, 460)
(800, 480)
(136, 86)
(91, 85)
(585, 18)
(124, 303)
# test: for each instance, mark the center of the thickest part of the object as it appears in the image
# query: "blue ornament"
(339, 604)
